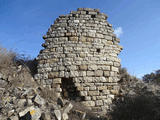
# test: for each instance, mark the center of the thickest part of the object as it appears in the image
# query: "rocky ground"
(23, 99)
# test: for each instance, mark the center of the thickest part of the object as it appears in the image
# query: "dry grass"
(15, 69)
(6, 58)
(48, 94)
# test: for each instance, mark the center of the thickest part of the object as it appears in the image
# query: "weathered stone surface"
(83, 67)
(65, 116)
(57, 80)
(92, 67)
(81, 52)
(83, 93)
(68, 108)
(90, 73)
(99, 103)
(106, 73)
(58, 114)
(39, 100)
(114, 69)
(34, 112)
(99, 73)
(93, 93)
(89, 103)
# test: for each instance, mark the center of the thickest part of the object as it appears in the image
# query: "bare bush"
(17, 71)
(140, 107)
(6, 58)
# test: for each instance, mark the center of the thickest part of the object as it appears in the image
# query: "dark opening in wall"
(69, 90)
(93, 16)
(74, 15)
(100, 91)
(87, 12)
(98, 50)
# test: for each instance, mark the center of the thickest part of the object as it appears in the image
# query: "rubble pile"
(29, 103)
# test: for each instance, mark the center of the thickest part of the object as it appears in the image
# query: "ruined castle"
(80, 59)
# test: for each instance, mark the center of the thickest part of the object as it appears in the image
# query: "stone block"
(99, 35)
(87, 98)
(90, 34)
(102, 79)
(74, 73)
(34, 112)
(58, 114)
(101, 87)
(82, 55)
(115, 92)
(92, 67)
(89, 103)
(76, 21)
(57, 80)
(94, 98)
(83, 67)
(90, 73)
(68, 34)
(106, 92)
(106, 73)
(98, 73)
(39, 100)
(83, 93)
(88, 79)
(107, 101)
(61, 74)
(92, 88)
(101, 97)
(115, 69)
(82, 73)
(110, 96)
(86, 88)
(53, 75)
(108, 37)
(73, 38)
(93, 93)
(89, 39)
(99, 103)
(80, 88)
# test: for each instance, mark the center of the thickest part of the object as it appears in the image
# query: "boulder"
(45, 116)
(58, 114)
(31, 112)
(39, 100)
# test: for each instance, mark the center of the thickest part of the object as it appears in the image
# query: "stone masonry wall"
(80, 60)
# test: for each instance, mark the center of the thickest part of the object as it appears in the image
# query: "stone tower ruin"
(80, 59)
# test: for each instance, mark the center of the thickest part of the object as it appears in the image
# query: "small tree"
(152, 77)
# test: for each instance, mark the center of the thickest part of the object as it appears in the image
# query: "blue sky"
(24, 22)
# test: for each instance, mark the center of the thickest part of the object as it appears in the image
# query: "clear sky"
(137, 23)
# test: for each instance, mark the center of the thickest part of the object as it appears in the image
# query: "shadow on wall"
(69, 90)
